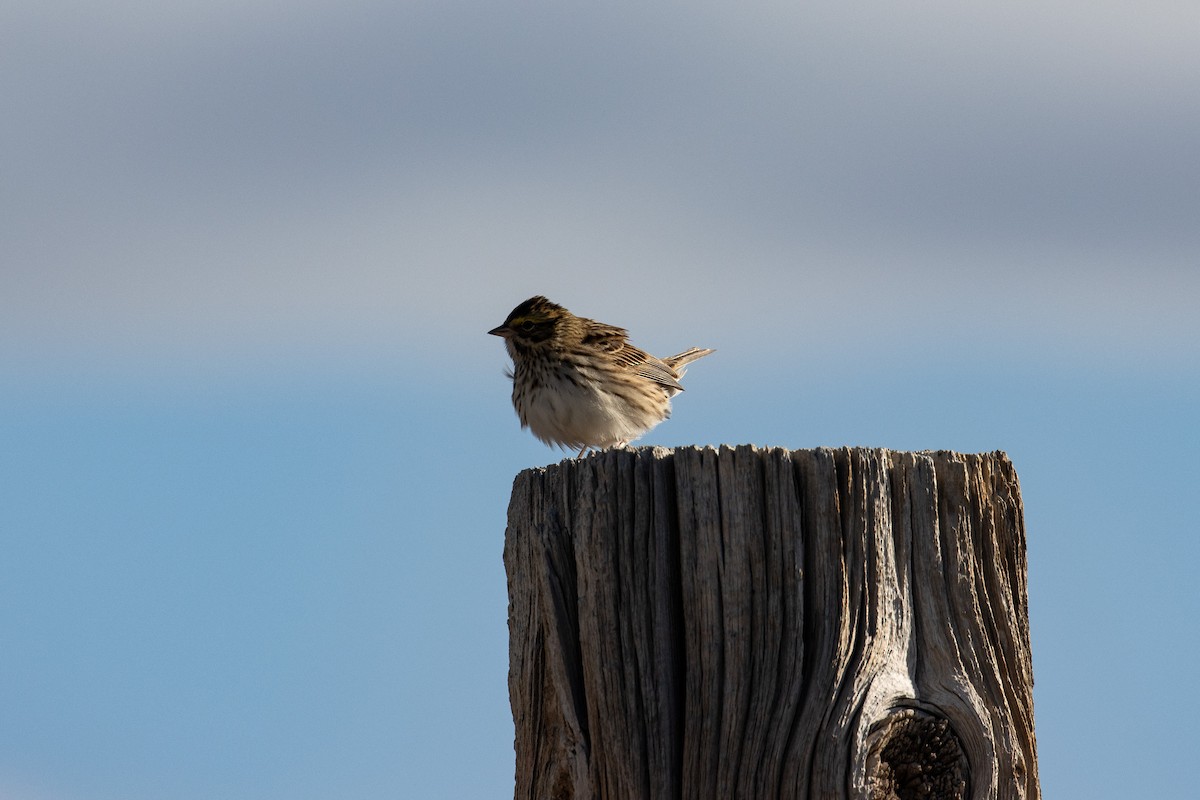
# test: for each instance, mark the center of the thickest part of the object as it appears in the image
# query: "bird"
(580, 384)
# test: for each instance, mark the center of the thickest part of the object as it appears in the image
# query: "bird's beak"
(503, 330)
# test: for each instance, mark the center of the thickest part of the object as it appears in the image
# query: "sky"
(256, 448)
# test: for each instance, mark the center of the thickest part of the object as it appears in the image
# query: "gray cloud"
(248, 176)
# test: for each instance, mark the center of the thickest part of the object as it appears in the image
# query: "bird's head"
(532, 323)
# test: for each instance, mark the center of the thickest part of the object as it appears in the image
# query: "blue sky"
(256, 448)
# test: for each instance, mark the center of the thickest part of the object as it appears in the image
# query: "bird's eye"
(527, 326)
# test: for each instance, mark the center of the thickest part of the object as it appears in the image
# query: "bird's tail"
(686, 357)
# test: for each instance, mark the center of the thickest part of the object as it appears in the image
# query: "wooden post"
(745, 623)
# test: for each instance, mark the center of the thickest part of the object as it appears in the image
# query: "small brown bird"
(580, 383)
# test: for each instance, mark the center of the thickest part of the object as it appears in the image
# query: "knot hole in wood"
(915, 755)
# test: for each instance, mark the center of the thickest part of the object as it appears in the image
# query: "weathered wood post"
(745, 623)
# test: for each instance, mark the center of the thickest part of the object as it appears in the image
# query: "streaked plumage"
(578, 383)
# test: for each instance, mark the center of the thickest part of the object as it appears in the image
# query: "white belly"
(579, 416)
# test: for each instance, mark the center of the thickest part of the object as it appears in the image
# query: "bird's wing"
(616, 342)
(658, 372)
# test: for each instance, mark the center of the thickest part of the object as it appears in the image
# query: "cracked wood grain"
(765, 623)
